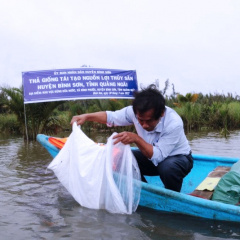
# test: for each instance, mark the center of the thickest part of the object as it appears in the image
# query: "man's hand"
(100, 117)
(125, 138)
(79, 119)
(129, 138)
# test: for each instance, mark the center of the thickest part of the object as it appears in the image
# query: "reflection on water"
(34, 205)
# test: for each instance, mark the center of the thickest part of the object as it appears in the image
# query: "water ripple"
(34, 205)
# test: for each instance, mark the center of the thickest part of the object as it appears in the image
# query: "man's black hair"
(149, 98)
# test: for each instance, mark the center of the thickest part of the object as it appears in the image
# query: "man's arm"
(100, 117)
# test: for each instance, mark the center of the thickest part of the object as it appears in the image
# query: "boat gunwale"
(213, 205)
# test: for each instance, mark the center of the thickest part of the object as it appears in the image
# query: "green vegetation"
(39, 117)
(9, 123)
(198, 111)
(215, 112)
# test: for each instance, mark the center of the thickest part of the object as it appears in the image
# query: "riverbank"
(212, 112)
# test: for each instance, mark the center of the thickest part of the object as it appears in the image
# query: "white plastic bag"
(98, 177)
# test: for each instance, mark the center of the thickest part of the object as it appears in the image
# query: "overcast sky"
(194, 44)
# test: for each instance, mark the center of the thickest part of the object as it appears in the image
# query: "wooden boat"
(155, 196)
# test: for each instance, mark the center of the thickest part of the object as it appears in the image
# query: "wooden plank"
(202, 194)
(219, 171)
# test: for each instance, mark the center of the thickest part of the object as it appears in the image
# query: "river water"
(34, 205)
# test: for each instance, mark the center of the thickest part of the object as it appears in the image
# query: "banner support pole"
(25, 118)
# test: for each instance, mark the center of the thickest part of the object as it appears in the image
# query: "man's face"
(147, 121)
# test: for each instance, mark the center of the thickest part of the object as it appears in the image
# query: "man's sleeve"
(121, 117)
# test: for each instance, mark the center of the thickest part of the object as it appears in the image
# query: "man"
(163, 148)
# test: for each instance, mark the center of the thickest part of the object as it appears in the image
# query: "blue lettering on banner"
(83, 83)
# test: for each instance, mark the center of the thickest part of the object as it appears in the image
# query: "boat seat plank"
(206, 187)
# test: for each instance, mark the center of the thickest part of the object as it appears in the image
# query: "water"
(213, 143)
(34, 205)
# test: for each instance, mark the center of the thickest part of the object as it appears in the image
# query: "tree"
(38, 116)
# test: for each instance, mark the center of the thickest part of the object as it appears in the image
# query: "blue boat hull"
(155, 196)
